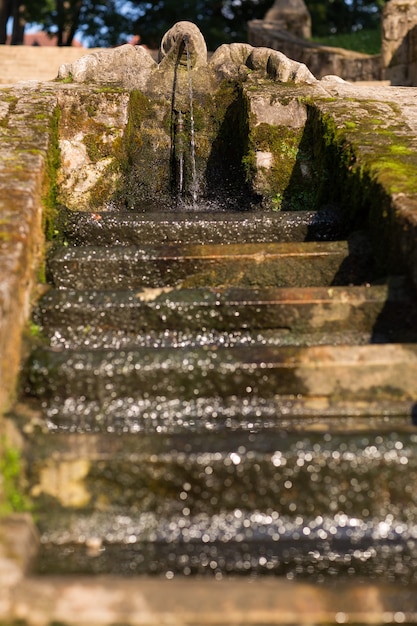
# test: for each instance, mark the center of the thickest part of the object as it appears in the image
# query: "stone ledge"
(25, 117)
(248, 602)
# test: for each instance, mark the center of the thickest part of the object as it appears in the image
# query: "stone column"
(399, 42)
(291, 15)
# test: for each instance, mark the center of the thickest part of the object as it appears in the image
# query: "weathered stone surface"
(22, 170)
(91, 127)
(126, 66)
(291, 15)
(25, 136)
(234, 60)
(18, 548)
(133, 68)
(399, 41)
(184, 34)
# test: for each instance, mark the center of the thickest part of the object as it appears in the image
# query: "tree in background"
(111, 22)
(103, 23)
(344, 16)
(221, 21)
(14, 10)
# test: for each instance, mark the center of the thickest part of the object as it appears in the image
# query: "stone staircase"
(222, 394)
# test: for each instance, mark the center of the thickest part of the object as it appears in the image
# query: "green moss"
(5, 236)
(289, 182)
(12, 496)
(143, 154)
(92, 109)
(50, 184)
(104, 187)
(360, 170)
(97, 147)
(403, 150)
(35, 151)
(68, 79)
(109, 90)
(41, 116)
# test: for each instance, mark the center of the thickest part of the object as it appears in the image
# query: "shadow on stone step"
(357, 268)
(397, 320)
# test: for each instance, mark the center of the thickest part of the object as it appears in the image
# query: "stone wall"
(25, 134)
(321, 60)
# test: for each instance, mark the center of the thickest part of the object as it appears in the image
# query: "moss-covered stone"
(13, 498)
(92, 123)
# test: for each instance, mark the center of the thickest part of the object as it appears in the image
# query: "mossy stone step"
(128, 228)
(254, 265)
(215, 473)
(381, 311)
(360, 373)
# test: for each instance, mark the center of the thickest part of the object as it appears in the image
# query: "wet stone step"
(261, 499)
(259, 543)
(360, 373)
(252, 265)
(118, 228)
(214, 473)
(254, 414)
(381, 311)
(73, 338)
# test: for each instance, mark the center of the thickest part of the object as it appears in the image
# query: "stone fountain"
(221, 384)
(162, 91)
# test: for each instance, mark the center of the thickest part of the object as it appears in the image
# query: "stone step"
(201, 415)
(255, 544)
(360, 373)
(92, 318)
(304, 264)
(128, 228)
(263, 502)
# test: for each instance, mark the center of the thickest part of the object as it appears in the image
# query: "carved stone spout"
(173, 43)
(131, 67)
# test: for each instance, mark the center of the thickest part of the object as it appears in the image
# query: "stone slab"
(304, 264)
(147, 602)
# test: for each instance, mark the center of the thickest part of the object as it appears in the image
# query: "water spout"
(193, 186)
(183, 145)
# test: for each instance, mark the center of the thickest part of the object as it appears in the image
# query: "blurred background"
(351, 24)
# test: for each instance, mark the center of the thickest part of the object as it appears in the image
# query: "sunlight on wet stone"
(172, 344)
(235, 505)
(240, 542)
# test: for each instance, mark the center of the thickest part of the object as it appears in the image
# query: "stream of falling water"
(185, 183)
(193, 188)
